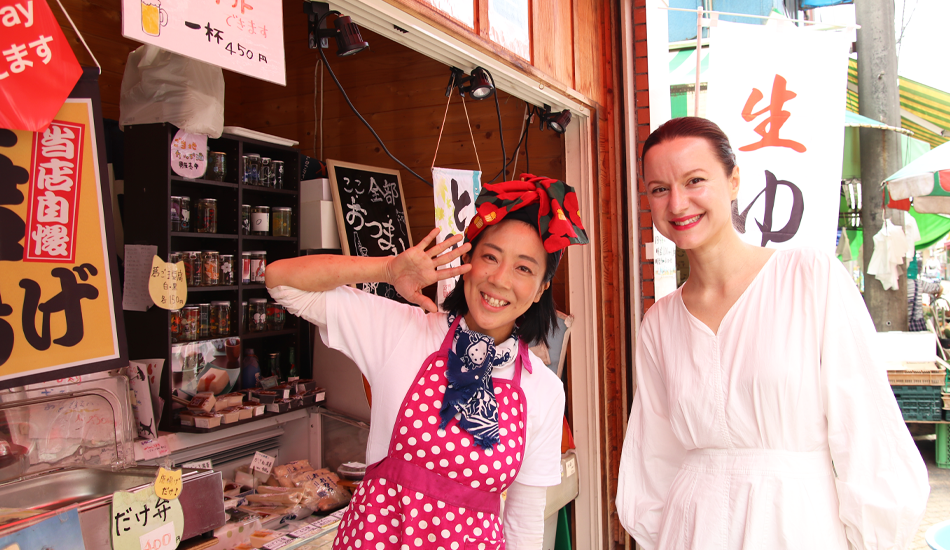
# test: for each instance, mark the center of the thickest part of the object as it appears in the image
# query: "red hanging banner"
(37, 67)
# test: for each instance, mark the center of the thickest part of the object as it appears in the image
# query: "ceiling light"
(479, 85)
(347, 34)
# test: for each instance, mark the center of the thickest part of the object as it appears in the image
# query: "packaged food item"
(245, 267)
(204, 320)
(292, 468)
(267, 172)
(257, 310)
(202, 401)
(210, 268)
(217, 166)
(352, 470)
(277, 496)
(244, 412)
(200, 419)
(176, 213)
(175, 322)
(323, 491)
(258, 265)
(245, 219)
(260, 220)
(278, 406)
(184, 215)
(207, 216)
(214, 381)
(266, 396)
(189, 323)
(276, 314)
(227, 270)
(220, 318)
(278, 174)
(281, 224)
(231, 415)
(262, 537)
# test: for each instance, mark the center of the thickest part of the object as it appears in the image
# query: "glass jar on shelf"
(260, 220)
(281, 221)
(257, 312)
(275, 316)
(210, 268)
(220, 318)
(258, 265)
(227, 270)
(207, 221)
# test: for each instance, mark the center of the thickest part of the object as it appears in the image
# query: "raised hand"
(416, 267)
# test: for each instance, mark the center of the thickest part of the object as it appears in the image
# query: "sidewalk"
(938, 506)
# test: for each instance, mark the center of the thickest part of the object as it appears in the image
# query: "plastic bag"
(161, 86)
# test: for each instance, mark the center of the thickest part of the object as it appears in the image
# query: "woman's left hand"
(417, 268)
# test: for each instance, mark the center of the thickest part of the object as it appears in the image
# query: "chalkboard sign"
(371, 215)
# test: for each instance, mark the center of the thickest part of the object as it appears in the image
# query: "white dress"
(779, 432)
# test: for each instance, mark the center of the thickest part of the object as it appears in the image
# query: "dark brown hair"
(691, 126)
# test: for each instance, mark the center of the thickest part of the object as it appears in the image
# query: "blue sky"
(924, 56)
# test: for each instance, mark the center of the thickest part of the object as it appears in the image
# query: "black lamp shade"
(559, 122)
(349, 40)
(480, 87)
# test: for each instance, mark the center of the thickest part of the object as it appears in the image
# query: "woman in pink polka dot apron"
(460, 436)
(436, 488)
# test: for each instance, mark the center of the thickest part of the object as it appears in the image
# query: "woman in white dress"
(761, 418)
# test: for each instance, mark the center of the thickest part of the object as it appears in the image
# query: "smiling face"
(689, 191)
(507, 276)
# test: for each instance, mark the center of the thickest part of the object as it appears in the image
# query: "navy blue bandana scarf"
(470, 391)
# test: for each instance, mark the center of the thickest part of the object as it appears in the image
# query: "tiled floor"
(938, 507)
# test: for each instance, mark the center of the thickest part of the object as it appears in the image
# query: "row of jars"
(218, 319)
(255, 220)
(210, 268)
(265, 220)
(205, 219)
(263, 171)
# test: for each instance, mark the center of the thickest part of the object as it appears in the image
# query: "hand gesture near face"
(416, 267)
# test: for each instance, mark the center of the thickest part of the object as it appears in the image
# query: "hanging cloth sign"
(37, 67)
(781, 103)
(454, 192)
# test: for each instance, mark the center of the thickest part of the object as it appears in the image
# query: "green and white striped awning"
(924, 110)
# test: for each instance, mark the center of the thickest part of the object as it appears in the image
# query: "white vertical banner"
(779, 94)
(454, 192)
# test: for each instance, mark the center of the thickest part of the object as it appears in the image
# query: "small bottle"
(292, 373)
(250, 369)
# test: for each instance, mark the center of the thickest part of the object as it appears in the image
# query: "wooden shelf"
(268, 238)
(267, 333)
(255, 188)
(193, 235)
(150, 185)
(217, 288)
(201, 181)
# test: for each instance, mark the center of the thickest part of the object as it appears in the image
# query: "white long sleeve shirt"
(780, 431)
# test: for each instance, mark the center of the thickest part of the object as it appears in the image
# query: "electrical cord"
(357, 113)
(522, 140)
(501, 134)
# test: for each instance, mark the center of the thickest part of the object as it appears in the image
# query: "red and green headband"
(559, 221)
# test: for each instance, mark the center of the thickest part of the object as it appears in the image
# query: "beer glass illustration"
(153, 17)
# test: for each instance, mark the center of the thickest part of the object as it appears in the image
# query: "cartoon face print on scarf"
(470, 391)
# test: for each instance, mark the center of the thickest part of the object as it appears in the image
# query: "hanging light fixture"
(478, 85)
(555, 121)
(347, 34)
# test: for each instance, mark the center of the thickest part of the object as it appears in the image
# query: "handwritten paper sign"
(262, 463)
(144, 521)
(166, 284)
(371, 215)
(244, 36)
(168, 484)
(151, 448)
(189, 154)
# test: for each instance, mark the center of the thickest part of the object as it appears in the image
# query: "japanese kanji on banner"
(779, 94)
(454, 193)
(244, 36)
(57, 291)
(37, 67)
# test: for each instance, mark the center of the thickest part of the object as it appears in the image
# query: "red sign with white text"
(54, 194)
(37, 67)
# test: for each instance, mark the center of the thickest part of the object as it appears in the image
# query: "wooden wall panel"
(553, 38)
(589, 52)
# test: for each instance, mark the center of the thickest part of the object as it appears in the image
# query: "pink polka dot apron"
(436, 489)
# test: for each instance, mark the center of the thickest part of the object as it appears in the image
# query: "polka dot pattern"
(390, 516)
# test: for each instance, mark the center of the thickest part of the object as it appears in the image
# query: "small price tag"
(152, 448)
(167, 285)
(202, 465)
(168, 484)
(262, 463)
(162, 538)
(279, 543)
(571, 467)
